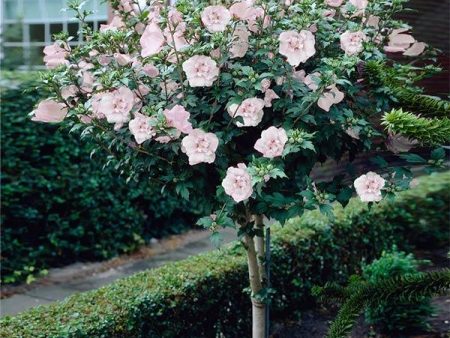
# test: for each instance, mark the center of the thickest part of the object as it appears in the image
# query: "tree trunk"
(258, 308)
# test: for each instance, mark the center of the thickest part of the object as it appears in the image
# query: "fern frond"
(428, 131)
(378, 74)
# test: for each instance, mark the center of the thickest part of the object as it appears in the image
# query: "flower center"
(295, 44)
(202, 145)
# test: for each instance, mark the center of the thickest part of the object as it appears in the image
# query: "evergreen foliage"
(428, 131)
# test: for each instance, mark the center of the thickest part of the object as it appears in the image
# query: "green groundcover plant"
(236, 102)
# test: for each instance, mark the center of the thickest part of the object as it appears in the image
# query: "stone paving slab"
(65, 284)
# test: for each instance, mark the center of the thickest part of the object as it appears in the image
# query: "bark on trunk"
(260, 248)
(258, 308)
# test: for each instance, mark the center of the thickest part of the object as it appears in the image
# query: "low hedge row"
(59, 206)
(203, 295)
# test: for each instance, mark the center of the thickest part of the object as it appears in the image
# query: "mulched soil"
(314, 323)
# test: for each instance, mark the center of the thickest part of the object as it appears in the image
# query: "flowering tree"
(237, 103)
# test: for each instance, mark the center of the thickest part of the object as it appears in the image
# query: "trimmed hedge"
(202, 295)
(59, 206)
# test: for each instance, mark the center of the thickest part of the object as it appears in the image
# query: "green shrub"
(202, 295)
(59, 206)
(395, 315)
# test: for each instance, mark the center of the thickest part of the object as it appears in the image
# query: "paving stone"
(47, 294)
(51, 292)
(19, 303)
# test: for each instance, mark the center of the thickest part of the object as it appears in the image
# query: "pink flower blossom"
(368, 187)
(139, 28)
(253, 16)
(200, 146)
(265, 84)
(152, 40)
(373, 21)
(238, 183)
(174, 34)
(329, 13)
(104, 59)
(115, 24)
(240, 10)
(352, 42)
(239, 47)
(297, 47)
(55, 55)
(404, 43)
(178, 118)
(334, 3)
(216, 53)
(312, 81)
(359, 4)
(141, 128)
(201, 71)
(49, 111)
(417, 48)
(251, 111)
(332, 96)
(399, 41)
(272, 142)
(115, 105)
(269, 96)
(122, 59)
(169, 87)
(215, 18)
(69, 92)
(150, 70)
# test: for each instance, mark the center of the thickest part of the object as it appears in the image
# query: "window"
(28, 26)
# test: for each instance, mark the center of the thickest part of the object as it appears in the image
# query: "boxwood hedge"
(203, 295)
(58, 205)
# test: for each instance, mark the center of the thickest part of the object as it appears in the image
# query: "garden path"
(63, 282)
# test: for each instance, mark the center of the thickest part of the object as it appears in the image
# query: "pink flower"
(333, 96)
(104, 60)
(175, 17)
(215, 18)
(69, 92)
(240, 10)
(373, 21)
(253, 15)
(169, 87)
(150, 70)
(139, 28)
(200, 146)
(238, 183)
(405, 43)
(55, 55)
(265, 84)
(141, 128)
(269, 96)
(122, 59)
(251, 111)
(152, 40)
(201, 71)
(351, 42)
(178, 118)
(174, 34)
(417, 48)
(334, 3)
(115, 105)
(297, 47)
(312, 81)
(114, 25)
(216, 53)
(272, 141)
(329, 13)
(359, 4)
(239, 47)
(49, 111)
(368, 187)
(399, 41)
